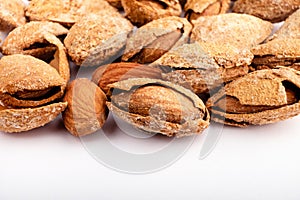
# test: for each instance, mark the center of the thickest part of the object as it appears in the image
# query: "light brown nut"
(28, 82)
(261, 97)
(29, 39)
(66, 12)
(290, 28)
(277, 52)
(97, 39)
(86, 111)
(142, 12)
(108, 74)
(11, 14)
(157, 106)
(191, 66)
(198, 8)
(240, 30)
(271, 10)
(154, 39)
(14, 120)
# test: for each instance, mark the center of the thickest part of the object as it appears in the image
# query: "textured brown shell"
(11, 14)
(277, 52)
(281, 48)
(142, 12)
(187, 56)
(228, 55)
(195, 69)
(240, 30)
(97, 38)
(150, 32)
(20, 73)
(189, 127)
(197, 8)
(66, 12)
(290, 29)
(25, 119)
(259, 88)
(20, 40)
(271, 10)
(86, 111)
(60, 61)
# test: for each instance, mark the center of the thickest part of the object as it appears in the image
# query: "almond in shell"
(261, 97)
(143, 12)
(271, 10)
(157, 106)
(11, 14)
(29, 39)
(97, 39)
(198, 8)
(28, 82)
(154, 39)
(191, 66)
(65, 12)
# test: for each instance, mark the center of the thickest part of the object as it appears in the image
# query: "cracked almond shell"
(66, 12)
(97, 39)
(28, 82)
(190, 66)
(86, 112)
(271, 10)
(277, 52)
(13, 120)
(11, 14)
(158, 106)
(261, 97)
(29, 39)
(290, 29)
(154, 39)
(198, 8)
(143, 12)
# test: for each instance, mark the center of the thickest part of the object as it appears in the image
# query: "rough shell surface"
(151, 32)
(142, 12)
(240, 30)
(191, 125)
(271, 10)
(290, 29)
(66, 12)
(263, 88)
(22, 73)
(96, 39)
(22, 39)
(25, 119)
(198, 8)
(11, 14)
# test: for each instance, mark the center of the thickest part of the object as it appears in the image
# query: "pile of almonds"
(163, 66)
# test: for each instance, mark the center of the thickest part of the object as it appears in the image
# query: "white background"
(254, 163)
